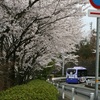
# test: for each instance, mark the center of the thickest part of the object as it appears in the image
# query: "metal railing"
(74, 91)
(91, 82)
(58, 78)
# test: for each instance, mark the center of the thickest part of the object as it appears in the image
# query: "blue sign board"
(95, 3)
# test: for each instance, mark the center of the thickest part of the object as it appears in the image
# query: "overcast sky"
(87, 20)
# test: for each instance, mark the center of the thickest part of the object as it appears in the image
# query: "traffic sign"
(96, 13)
(93, 13)
(95, 3)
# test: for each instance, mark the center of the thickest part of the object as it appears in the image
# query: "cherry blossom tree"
(32, 31)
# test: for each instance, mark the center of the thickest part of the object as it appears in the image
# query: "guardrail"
(62, 78)
(91, 82)
(58, 78)
(74, 91)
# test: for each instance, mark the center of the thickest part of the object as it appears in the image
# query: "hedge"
(34, 90)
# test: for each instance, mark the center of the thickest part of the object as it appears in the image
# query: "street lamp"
(63, 63)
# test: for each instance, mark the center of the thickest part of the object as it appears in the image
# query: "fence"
(73, 92)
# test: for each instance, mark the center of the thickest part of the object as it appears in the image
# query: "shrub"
(34, 90)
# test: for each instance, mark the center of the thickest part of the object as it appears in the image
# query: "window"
(71, 71)
(82, 73)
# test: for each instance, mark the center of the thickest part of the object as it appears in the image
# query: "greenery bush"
(34, 90)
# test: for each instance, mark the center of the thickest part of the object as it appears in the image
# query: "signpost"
(96, 13)
(93, 13)
(95, 3)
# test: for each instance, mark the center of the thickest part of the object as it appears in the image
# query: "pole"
(63, 63)
(73, 92)
(63, 94)
(91, 96)
(97, 59)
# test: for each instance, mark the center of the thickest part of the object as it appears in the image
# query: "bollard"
(62, 87)
(91, 96)
(58, 87)
(63, 94)
(73, 90)
(87, 82)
